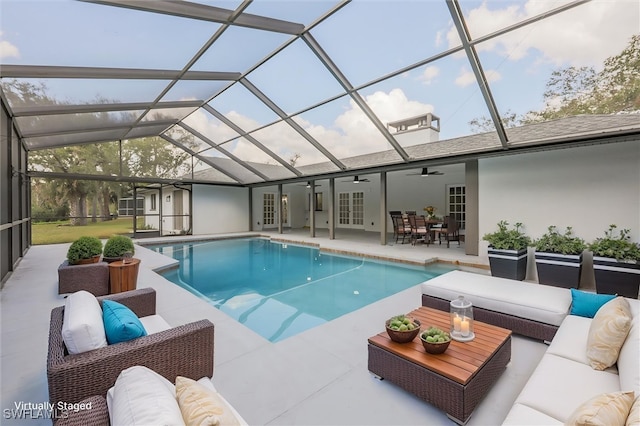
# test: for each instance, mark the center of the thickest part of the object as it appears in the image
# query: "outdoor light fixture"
(308, 184)
(425, 172)
(355, 179)
(461, 314)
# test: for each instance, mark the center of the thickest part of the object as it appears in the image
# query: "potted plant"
(508, 251)
(84, 250)
(616, 263)
(116, 247)
(559, 257)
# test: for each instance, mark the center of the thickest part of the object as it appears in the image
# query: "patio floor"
(318, 377)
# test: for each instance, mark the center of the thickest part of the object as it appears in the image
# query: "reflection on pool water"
(278, 289)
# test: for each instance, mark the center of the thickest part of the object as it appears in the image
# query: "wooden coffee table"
(455, 381)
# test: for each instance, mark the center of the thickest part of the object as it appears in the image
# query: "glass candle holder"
(461, 315)
(126, 257)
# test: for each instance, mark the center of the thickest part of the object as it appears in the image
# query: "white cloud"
(8, 50)
(429, 74)
(465, 78)
(584, 35)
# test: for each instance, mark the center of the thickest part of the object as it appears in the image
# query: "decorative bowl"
(401, 336)
(433, 347)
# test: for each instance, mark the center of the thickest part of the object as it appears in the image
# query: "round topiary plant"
(117, 246)
(84, 248)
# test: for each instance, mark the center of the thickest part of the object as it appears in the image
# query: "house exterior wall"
(587, 188)
(220, 209)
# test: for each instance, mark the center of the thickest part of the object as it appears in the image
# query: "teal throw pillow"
(586, 304)
(120, 323)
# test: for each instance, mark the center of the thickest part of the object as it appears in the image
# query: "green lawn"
(63, 232)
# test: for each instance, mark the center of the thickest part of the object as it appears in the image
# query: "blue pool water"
(279, 290)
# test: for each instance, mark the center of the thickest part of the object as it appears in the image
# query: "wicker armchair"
(92, 277)
(185, 350)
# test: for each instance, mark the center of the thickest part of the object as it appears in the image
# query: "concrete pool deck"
(318, 377)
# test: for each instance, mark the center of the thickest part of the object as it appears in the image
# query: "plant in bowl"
(616, 263)
(508, 251)
(402, 329)
(435, 340)
(559, 257)
(116, 247)
(84, 250)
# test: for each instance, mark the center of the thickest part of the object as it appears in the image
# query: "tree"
(581, 90)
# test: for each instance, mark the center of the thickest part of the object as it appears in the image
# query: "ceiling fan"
(425, 172)
(356, 180)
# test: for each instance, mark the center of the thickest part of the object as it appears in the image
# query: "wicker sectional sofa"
(185, 350)
(564, 381)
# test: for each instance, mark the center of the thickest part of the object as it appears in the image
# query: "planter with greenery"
(84, 250)
(508, 251)
(116, 247)
(559, 258)
(616, 263)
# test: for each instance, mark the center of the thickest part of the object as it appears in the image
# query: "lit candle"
(464, 326)
(456, 323)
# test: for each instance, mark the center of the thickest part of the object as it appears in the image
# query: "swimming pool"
(279, 290)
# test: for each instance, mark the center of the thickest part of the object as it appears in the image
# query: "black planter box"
(559, 270)
(508, 263)
(613, 277)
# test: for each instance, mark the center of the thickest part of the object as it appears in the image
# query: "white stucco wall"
(220, 209)
(587, 188)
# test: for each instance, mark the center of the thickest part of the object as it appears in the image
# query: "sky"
(366, 39)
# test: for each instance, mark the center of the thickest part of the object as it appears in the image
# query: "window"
(153, 202)
(126, 206)
(456, 206)
(269, 209)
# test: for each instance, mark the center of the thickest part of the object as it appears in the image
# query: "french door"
(351, 210)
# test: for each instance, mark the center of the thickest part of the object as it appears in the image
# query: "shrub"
(555, 242)
(118, 245)
(619, 247)
(508, 239)
(84, 248)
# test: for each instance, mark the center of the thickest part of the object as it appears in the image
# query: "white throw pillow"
(82, 326)
(143, 397)
(607, 333)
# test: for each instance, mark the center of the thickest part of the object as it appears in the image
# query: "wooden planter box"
(613, 277)
(559, 270)
(508, 263)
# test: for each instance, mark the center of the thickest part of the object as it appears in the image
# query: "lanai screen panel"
(447, 88)
(343, 128)
(370, 39)
(154, 157)
(74, 33)
(76, 122)
(308, 82)
(536, 78)
(341, 71)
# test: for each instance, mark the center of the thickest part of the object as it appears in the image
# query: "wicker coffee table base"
(457, 400)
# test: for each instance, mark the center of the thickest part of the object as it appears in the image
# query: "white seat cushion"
(523, 415)
(628, 364)
(154, 324)
(82, 326)
(542, 303)
(558, 386)
(570, 340)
